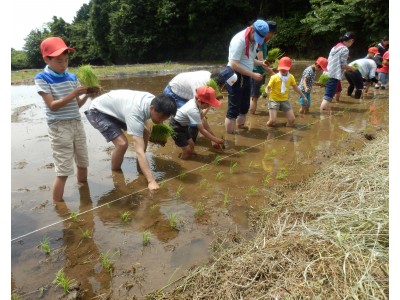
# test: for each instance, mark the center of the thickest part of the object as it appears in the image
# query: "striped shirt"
(59, 85)
(337, 58)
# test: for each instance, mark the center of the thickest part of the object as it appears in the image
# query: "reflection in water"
(215, 192)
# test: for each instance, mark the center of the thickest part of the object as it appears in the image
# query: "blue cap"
(260, 31)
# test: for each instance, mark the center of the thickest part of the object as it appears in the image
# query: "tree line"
(149, 31)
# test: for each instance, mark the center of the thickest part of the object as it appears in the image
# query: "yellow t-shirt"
(275, 83)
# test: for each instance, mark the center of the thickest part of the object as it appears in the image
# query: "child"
(192, 113)
(60, 91)
(278, 90)
(307, 81)
(383, 72)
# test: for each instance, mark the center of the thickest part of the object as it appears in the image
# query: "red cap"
(285, 63)
(53, 46)
(323, 63)
(207, 94)
(373, 50)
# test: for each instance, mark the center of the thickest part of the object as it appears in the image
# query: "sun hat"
(260, 31)
(272, 26)
(229, 75)
(285, 63)
(54, 46)
(207, 94)
(323, 63)
(373, 50)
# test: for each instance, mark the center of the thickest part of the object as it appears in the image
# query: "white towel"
(284, 79)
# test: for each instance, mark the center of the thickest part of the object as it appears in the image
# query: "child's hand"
(80, 90)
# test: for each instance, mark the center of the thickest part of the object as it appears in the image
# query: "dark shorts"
(239, 97)
(330, 89)
(181, 133)
(109, 127)
(255, 87)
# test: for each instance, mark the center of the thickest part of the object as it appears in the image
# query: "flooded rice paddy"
(114, 238)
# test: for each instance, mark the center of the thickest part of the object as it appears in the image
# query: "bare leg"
(240, 121)
(290, 118)
(253, 105)
(230, 125)
(58, 188)
(82, 175)
(273, 113)
(325, 107)
(117, 157)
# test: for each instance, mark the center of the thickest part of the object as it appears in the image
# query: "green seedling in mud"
(125, 216)
(242, 151)
(179, 191)
(205, 168)
(74, 216)
(146, 236)
(226, 197)
(63, 281)
(270, 155)
(106, 262)
(263, 91)
(219, 175)
(282, 173)
(154, 207)
(172, 220)
(45, 245)
(85, 233)
(233, 167)
(266, 179)
(160, 134)
(252, 190)
(182, 175)
(88, 78)
(199, 209)
(203, 183)
(216, 160)
(42, 290)
(323, 79)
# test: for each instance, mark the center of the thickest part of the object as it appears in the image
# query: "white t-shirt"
(185, 84)
(237, 51)
(189, 113)
(130, 107)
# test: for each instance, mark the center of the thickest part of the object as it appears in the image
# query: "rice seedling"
(160, 134)
(263, 91)
(125, 216)
(266, 179)
(203, 183)
(323, 79)
(179, 191)
(172, 219)
(182, 175)
(106, 262)
(42, 290)
(74, 216)
(146, 236)
(88, 78)
(199, 209)
(226, 197)
(85, 233)
(233, 167)
(213, 84)
(282, 173)
(45, 245)
(63, 281)
(216, 160)
(242, 151)
(270, 155)
(154, 207)
(162, 183)
(273, 56)
(251, 190)
(219, 175)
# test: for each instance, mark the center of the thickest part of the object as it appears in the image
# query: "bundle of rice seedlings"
(88, 78)
(263, 91)
(214, 85)
(273, 56)
(160, 134)
(323, 79)
(355, 66)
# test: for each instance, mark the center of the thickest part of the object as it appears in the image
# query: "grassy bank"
(327, 238)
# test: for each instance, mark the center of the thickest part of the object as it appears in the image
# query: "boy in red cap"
(61, 92)
(307, 81)
(192, 112)
(278, 90)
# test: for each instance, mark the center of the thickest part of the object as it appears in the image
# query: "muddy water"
(212, 193)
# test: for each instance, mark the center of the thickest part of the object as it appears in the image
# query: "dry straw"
(327, 238)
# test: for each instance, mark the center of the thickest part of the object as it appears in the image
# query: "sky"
(31, 15)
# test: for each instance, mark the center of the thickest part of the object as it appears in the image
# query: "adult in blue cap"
(242, 58)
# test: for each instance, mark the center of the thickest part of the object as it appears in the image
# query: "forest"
(106, 32)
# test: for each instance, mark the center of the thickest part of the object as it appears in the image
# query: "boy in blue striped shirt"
(61, 92)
